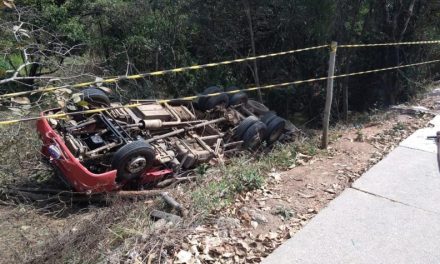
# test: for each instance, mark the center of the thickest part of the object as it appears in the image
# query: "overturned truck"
(123, 147)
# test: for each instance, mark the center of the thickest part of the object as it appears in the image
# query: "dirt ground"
(270, 216)
(243, 232)
(261, 220)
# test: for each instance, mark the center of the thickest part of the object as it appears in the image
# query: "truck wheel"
(254, 136)
(209, 103)
(257, 107)
(267, 117)
(132, 160)
(95, 97)
(204, 103)
(232, 88)
(217, 100)
(243, 126)
(238, 98)
(275, 129)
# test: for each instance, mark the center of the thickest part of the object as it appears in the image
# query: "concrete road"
(390, 215)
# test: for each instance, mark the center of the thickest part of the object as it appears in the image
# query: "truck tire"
(238, 98)
(232, 88)
(95, 97)
(243, 126)
(209, 103)
(257, 107)
(254, 136)
(217, 100)
(267, 117)
(275, 129)
(132, 160)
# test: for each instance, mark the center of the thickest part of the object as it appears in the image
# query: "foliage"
(130, 36)
(217, 192)
(245, 173)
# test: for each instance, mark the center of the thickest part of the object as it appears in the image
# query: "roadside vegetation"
(63, 42)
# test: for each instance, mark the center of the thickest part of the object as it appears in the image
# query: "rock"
(194, 250)
(159, 224)
(411, 110)
(254, 224)
(227, 222)
(258, 217)
(272, 235)
(209, 243)
(25, 228)
(435, 92)
(276, 176)
(183, 257)
(243, 210)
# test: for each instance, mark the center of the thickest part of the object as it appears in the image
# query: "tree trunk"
(345, 92)
(398, 37)
(103, 43)
(251, 32)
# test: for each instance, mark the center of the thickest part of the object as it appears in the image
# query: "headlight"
(54, 152)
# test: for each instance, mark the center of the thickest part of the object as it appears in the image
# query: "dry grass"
(20, 159)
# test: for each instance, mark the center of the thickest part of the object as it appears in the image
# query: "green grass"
(218, 187)
(400, 126)
(284, 212)
(281, 157)
(5, 64)
(211, 196)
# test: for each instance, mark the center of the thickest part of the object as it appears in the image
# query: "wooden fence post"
(329, 96)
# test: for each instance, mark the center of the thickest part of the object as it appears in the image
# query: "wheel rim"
(136, 164)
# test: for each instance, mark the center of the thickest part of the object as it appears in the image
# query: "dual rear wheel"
(254, 131)
(275, 126)
(209, 101)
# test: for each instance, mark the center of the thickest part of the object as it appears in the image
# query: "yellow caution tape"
(157, 73)
(386, 69)
(10, 122)
(196, 67)
(189, 98)
(390, 44)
